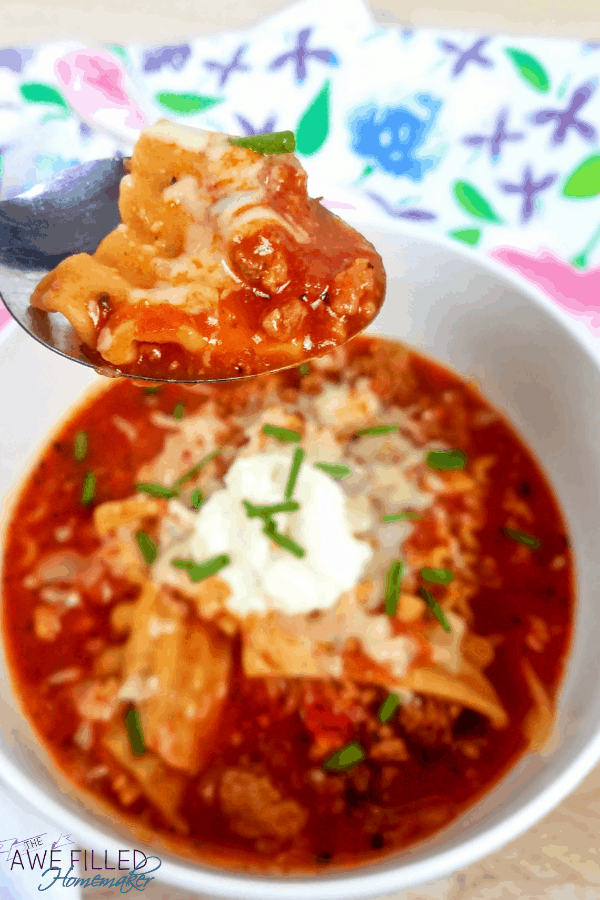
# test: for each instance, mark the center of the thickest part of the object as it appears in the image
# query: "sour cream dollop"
(263, 576)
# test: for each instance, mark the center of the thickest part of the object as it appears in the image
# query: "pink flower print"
(92, 82)
(574, 291)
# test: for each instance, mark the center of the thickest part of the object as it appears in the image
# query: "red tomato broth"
(349, 823)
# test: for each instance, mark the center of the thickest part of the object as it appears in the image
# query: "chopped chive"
(88, 490)
(409, 515)
(345, 759)
(437, 576)
(151, 390)
(134, 732)
(522, 538)
(436, 609)
(377, 429)
(394, 583)
(297, 460)
(446, 460)
(334, 469)
(80, 446)
(156, 490)
(282, 434)
(388, 707)
(198, 571)
(179, 411)
(191, 473)
(267, 144)
(147, 546)
(265, 512)
(304, 369)
(197, 499)
(283, 541)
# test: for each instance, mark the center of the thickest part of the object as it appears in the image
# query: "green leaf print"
(186, 104)
(581, 260)
(470, 236)
(313, 127)
(120, 52)
(38, 92)
(474, 203)
(584, 180)
(530, 69)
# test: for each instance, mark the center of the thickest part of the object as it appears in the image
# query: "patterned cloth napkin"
(492, 141)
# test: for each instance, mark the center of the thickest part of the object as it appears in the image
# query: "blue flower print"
(390, 137)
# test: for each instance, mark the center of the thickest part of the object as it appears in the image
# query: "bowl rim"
(390, 875)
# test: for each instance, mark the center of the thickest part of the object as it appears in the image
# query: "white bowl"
(535, 364)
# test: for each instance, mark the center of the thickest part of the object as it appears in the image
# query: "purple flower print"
(226, 69)
(301, 53)
(567, 118)
(463, 57)
(528, 189)
(389, 137)
(13, 59)
(176, 57)
(400, 212)
(498, 137)
(250, 129)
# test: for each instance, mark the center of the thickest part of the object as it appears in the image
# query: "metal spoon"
(70, 213)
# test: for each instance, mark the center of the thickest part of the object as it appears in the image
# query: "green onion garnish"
(436, 609)
(197, 499)
(334, 469)
(437, 576)
(147, 546)
(152, 390)
(134, 732)
(377, 429)
(303, 369)
(265, 512)
(199, 571)
(88, 490)
(283, 541)
(80, 446)
(446, 460)
(388, 707)
(282, 434)
(267, 144)
(179, 411)
(402, 517)
(297, 460)
(345, 759)
(394, 583)
(191, 473)
(522, 538)
(156, 490)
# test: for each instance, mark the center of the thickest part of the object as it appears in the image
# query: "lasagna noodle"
(185, 671)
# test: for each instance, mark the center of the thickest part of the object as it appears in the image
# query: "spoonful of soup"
(201, 258)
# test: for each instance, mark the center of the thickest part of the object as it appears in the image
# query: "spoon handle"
(70, 213)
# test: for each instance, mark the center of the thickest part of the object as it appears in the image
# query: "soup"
(293, 623)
